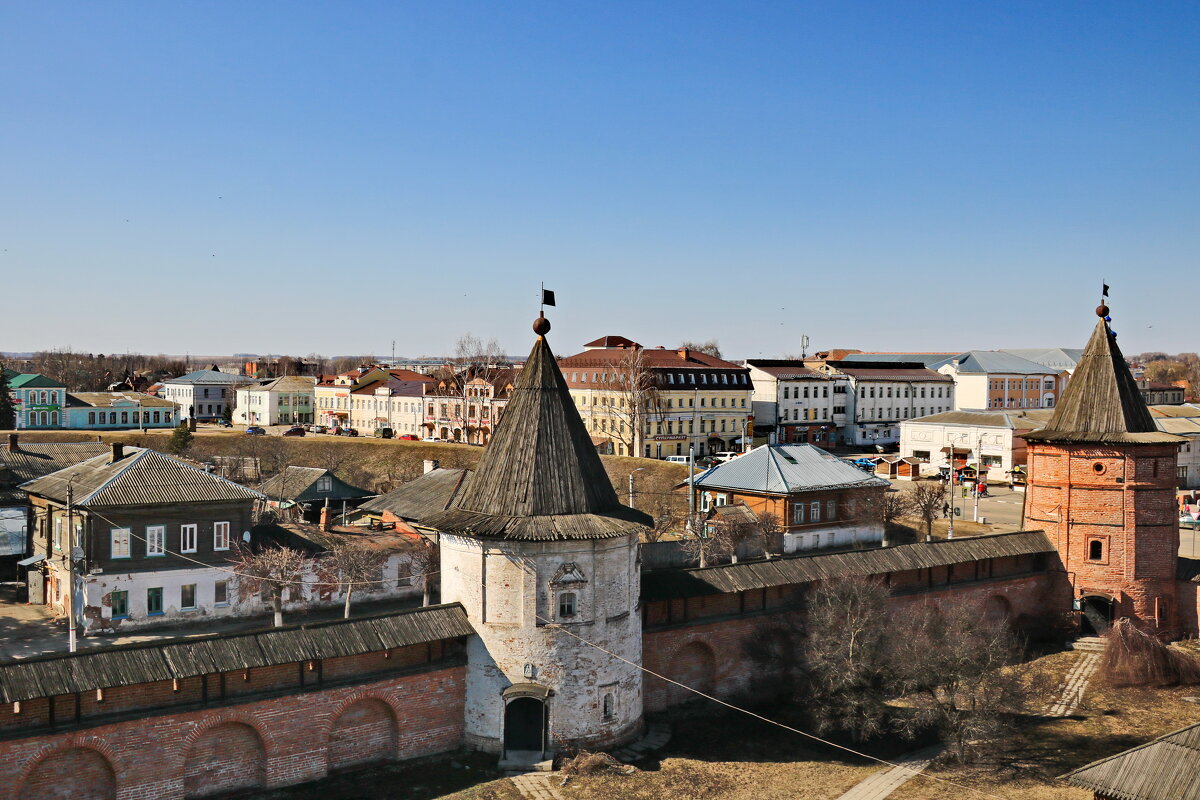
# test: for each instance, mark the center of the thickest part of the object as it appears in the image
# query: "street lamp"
(639, 469)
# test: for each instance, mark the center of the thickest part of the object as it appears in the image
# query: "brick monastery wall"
(701, 641)
(241, 742)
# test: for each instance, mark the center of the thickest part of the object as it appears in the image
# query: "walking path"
(1074, 686)
(884, 782)
(536, 786)
(540, 785)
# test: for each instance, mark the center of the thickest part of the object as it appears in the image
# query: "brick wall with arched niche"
(223, 758)
(70, 773)
(363, 731)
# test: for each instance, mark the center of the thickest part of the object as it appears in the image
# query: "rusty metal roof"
(726, 578)
(125, 665)
(141, 477)
(1167, 768)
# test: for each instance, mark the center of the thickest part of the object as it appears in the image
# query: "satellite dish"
(246, 536)
(77, 553)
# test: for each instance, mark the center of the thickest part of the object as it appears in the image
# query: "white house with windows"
(992, 438)
(284, 401)
(107, 411)
(794, 403)
(152, 536)
(202, 395)
(993, 379)
(882, 395)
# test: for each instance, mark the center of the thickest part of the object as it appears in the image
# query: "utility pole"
(950, 525)
(71, 621)
(978, 474)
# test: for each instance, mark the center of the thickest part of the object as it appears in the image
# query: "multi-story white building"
(203, 394)
(335, 399)
(389, 403)
(882, 395)
(284, 401)
(795, 404)
(991, 438)
(468, 413)
(992, 379)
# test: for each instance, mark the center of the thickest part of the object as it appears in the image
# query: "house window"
(120, 605)
(156, 536)
(798, 514)
(566, 605)
(154, 604)
(814, 511)
(1095, 550)
(221, 593)
(58, 533)
(221, 536)
(831, 510)
(120, 542)
(187, 596)
(187, 538)
(608, 707)
(91, 418)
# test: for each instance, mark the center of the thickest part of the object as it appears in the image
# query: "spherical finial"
(1102, 311)
(541, 326)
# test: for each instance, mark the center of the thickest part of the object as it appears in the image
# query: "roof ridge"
(118, 473)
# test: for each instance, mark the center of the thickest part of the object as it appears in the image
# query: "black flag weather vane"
(547, 297)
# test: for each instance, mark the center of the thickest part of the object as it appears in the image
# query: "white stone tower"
(544, 558)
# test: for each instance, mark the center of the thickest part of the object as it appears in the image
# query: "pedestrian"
(945, 510)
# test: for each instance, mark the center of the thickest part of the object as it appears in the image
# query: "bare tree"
(712, 540)
(709, 347)
(882, 508)
(474, 359)
(271, 569)
(847, 656)
(927, 501)
(636, 402)
(424, 563)
(354, 564)
(954, 667)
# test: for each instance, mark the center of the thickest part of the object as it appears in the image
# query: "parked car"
(431, 439)
(254, 430)
(349, 431)
(1186, 519)
(408, 437)
(725, 455)
(320, 429)
(384, 433)
(224, 423)
(296, 431)
(676, 459)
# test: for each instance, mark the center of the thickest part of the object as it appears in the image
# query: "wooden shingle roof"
(1167, 768)
(1102, 403)
(540, 476)
(124, 665)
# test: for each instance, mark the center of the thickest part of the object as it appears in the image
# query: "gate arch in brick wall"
(76, 770)
(693, 664)
(223, 756)
(362, 731)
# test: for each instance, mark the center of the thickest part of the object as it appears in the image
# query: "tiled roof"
(786, 469)
(126, 665)
(612, 341)
(1167, 768)
(140, 477)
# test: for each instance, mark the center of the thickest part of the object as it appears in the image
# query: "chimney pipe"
(118, 452)
(326, 518)
(683, 353)
(430, 465)
(12, 443)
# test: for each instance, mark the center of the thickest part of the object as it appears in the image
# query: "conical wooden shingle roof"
(540, 477)
(1102, 403)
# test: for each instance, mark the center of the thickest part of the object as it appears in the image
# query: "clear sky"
(297, 177)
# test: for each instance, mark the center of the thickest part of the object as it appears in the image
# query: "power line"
(768, 720)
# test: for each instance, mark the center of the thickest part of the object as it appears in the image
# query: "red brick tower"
(1102, 486)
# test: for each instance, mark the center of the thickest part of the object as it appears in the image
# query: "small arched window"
(1095, 550)
(566, 604)
(609, 706)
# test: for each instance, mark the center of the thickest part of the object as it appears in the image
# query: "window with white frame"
(58, 533)
(566, 605)
(120, 542)
(814, 511)
(798, 514)
(187, 538)
(221, 536)
(156, 540)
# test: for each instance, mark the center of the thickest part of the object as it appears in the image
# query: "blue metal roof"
(786, 469)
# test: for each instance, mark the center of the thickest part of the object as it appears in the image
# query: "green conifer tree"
(180, 440)
(8, 413)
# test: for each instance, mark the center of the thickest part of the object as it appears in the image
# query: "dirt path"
(884, 782)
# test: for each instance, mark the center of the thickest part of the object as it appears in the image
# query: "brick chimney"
(326, 518)
(118, 452)
(683, 353)
(431, 464)
(12, 442)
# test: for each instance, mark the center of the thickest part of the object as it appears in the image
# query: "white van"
(676, 459)
(724, 456)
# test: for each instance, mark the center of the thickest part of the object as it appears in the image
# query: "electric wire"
(768, 720)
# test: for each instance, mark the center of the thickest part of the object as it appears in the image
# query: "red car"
(408, 437)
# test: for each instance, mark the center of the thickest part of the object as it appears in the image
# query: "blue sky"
(299, 177)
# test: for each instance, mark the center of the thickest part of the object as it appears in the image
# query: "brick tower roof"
(1102, 404)
(540, 477)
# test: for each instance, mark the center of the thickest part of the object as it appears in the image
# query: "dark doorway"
(524, 724)
(1097, 615)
